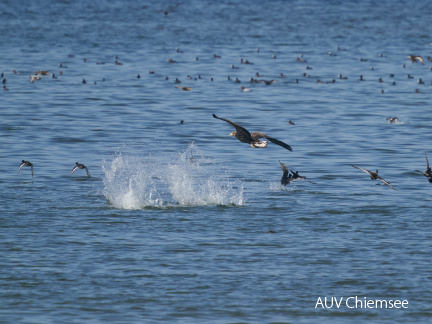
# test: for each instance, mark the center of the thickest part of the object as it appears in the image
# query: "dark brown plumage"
(286, 176)
(374, 176)
(243, 135)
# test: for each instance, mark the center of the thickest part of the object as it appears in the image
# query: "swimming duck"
(392, 120)
(245, 61)
(245, 89)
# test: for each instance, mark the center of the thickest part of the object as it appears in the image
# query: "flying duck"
(374, 176)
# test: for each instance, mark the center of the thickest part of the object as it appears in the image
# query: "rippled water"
(181, 223)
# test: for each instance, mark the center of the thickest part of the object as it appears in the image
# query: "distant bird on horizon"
(374, 176)
(26, 163)
(80, 166)
(243, 135)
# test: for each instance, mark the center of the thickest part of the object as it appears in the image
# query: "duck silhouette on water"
(288, 177)
(428, 172)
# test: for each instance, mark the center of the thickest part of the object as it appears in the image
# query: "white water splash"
(136, 181)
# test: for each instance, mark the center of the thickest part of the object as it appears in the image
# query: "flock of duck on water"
(242, 134)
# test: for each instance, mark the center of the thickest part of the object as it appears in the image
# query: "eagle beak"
(232, 134)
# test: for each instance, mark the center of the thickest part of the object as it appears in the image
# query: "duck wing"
(21, 165)
(424, 173)
(257, 135)
(386, 182)
(73, 170)
(284, 169)
(364, 170)
(88, 173)
(286, 178)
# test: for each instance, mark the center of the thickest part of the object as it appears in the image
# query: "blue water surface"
(181, 223)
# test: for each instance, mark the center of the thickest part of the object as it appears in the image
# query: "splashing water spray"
(133, 180)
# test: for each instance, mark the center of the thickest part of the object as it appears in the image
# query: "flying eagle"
(243, 135)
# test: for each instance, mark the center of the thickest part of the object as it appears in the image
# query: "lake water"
(181, 223)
